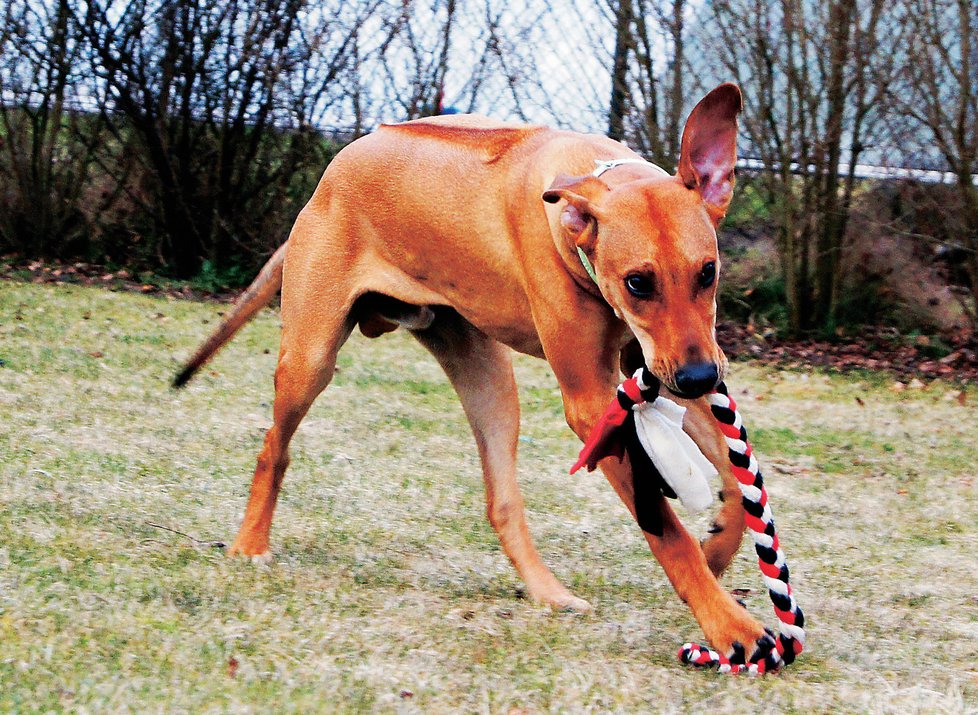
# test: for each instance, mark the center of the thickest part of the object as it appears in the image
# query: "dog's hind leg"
(481, 371)
(316, 321)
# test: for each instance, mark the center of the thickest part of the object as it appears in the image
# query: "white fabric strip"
(659, 425)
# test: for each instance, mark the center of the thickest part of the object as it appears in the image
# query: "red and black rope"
(769, 653)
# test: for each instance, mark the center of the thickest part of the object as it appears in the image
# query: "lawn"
(389, 590)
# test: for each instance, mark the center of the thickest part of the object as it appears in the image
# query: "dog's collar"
(586, 262)
(603, 166)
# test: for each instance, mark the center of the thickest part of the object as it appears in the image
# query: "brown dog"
(438, 225)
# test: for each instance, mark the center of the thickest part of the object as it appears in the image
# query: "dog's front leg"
(728, 526)
(587, 379)
(727, 531)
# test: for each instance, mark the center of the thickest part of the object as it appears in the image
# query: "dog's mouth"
(652, 383)
(692, 381)
(687, 395)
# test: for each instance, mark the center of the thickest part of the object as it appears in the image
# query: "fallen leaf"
(962, 398)
(97, 354)
(405, 694)
(901, 491)
(859, 401)
(232, 666)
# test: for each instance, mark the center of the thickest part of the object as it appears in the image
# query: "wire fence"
(183, 135)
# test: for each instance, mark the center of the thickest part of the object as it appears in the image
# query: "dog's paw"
(261, 559)
(564, 601)
(261, 556)
(762, 653)
(572, 604)
(734, 632)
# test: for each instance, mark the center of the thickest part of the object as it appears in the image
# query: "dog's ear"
(580, 215)
(709, 148)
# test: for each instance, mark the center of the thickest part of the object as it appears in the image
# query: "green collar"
(587, 264)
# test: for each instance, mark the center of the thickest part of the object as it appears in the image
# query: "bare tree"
(938, 91)
(46, 141)
(649, 76)
(216, 103)
(466, 55)
(812, 80)
(619, 70)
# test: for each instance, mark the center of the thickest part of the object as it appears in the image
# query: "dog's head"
(652, 243)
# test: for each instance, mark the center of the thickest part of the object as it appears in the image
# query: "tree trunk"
(619, 71)
(832, 223)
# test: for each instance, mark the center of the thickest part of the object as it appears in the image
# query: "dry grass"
(387, 578)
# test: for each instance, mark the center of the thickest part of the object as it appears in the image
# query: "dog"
(482, 237)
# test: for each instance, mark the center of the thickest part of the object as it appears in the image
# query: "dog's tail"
(257, 296)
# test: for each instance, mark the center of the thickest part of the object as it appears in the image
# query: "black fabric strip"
(646, 482)
(722, 414)
(739, 460)
(652, 381)
(752, 507)
(780, 601)
(768, 556)
(624, 400)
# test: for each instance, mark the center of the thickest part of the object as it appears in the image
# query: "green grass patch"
(389, 590)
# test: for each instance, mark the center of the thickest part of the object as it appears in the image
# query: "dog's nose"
(696, 379)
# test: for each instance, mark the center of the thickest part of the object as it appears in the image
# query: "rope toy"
(610, 438)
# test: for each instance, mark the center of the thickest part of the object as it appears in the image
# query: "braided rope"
(769, 653)
(770, 557)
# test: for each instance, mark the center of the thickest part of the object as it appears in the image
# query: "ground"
(389, 590)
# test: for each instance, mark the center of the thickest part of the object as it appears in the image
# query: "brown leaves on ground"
(91, 274)
(911, 359)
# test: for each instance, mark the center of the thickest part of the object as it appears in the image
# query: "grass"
(389, 591)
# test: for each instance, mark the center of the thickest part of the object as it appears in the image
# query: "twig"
(211, 544)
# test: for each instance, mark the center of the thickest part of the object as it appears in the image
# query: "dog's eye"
(708, 274)
(640, 286)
